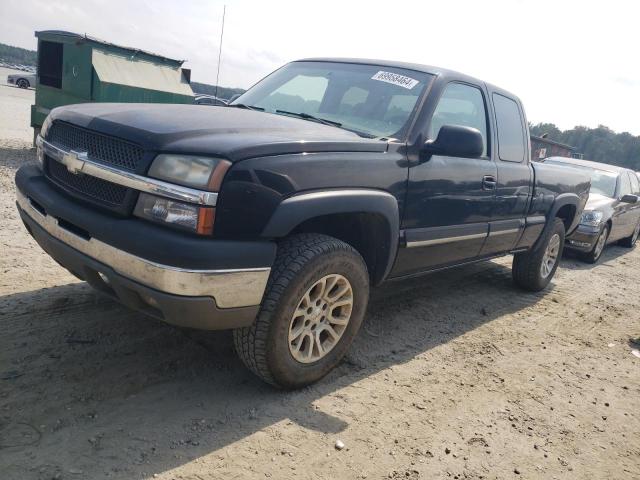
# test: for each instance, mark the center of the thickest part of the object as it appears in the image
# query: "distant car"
(612, 213)
(209, 100)
(22, 80)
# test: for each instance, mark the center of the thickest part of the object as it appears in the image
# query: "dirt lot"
(457, 375)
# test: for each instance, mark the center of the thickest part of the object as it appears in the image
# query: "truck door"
(449, 199)
(515, 176)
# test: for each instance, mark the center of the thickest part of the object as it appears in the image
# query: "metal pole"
(224, 10)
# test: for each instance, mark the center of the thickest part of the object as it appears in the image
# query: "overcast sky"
(571, 62)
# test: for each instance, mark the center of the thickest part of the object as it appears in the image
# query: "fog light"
(178, 214)
(579, 244)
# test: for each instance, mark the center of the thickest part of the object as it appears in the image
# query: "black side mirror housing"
(455, 141)
(629, 199)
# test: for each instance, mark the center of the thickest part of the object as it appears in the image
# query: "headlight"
(181, 215)
(592, 218)
(204, 173)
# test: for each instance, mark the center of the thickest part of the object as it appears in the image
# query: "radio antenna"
(224, 11)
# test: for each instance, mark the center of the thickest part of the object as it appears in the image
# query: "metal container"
(75, 68)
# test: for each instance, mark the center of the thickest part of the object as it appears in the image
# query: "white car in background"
(22, 80)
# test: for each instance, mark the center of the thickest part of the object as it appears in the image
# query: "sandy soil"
(456, 375)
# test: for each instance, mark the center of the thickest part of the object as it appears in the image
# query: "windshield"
(602, 182)
(373, 101)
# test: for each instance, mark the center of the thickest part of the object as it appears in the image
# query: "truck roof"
(409, 66)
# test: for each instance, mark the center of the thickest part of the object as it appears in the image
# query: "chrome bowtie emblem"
(74, 161)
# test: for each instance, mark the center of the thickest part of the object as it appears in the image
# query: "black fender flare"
(560, 201)
(305, 206)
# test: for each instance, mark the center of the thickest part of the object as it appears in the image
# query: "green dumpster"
(76, 68)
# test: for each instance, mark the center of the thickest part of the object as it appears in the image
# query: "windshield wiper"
(247, 107)
(306, 116)
(324, 121)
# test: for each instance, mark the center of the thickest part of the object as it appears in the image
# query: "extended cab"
(273, 216)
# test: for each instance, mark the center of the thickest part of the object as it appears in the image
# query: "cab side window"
(510, 129)
(460, 104)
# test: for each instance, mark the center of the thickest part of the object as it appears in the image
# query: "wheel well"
(567, 213)
(368, 233)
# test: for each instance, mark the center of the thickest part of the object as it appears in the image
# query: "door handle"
(489, 182)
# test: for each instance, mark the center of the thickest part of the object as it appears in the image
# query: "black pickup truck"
(273, 216)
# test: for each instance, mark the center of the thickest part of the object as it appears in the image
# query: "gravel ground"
(456, 375)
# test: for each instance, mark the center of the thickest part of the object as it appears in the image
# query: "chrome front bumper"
(229, 288)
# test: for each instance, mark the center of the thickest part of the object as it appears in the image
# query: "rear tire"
(23, 83)
(596, 252)
(303, 263)
(630, 242)
(533, 270)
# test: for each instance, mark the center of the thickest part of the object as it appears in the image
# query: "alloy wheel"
(550, 256)
(320, 319)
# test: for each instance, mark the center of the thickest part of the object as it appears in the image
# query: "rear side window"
(510, 129)
(50, 63)
(635, 184)
(460, 104)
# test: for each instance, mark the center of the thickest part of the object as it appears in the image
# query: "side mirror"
(455, 141)
(629, 198)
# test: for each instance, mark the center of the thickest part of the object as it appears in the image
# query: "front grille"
(99, 147)
(100, 191)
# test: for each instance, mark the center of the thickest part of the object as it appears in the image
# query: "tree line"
(223, 92)
(600, 144)
(17, 56)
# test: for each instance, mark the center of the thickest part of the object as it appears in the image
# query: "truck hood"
(232, 133)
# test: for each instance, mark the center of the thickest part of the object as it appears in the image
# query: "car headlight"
(184, 216)
(593, 218)
(204, 173)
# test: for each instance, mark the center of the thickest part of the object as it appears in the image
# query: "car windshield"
(373, 101)
(602, 182)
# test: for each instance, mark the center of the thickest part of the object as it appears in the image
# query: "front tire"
(314, 304)
(533, 270)
(596, 252)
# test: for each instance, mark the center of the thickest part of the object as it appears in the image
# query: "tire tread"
(526, 265)
(294, 252)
